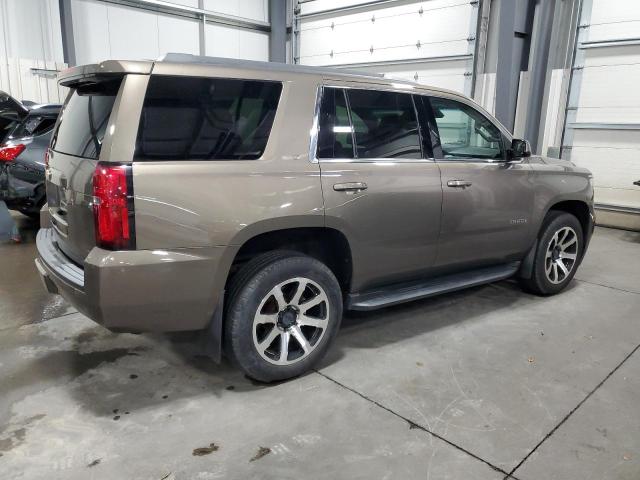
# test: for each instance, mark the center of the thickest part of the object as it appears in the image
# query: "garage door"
(602, 130)
(431, 42)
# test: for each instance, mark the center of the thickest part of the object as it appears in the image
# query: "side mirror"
(519, 149)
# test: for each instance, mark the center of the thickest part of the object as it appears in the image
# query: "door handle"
(458, 183)
(350, 187)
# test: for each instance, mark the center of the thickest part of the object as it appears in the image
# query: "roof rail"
(258, 65)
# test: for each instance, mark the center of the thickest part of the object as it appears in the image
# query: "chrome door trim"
(377, 160)
(315, 127)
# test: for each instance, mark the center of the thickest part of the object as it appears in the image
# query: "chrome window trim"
(377, 160)
(315, 129)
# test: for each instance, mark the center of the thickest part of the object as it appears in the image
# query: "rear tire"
(558, 254)
(283, 312)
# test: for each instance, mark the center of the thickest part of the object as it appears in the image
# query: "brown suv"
(256, 201)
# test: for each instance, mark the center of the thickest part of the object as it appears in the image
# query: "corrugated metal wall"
(602, 130)
(432, 42)
(30, 50)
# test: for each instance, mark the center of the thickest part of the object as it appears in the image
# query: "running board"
(406, 292)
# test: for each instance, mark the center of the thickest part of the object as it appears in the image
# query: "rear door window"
(84, 119)
(385, 124)
(206, 118)
(335, 138)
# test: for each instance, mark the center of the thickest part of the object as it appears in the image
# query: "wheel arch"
(579, 209)
(326, 244)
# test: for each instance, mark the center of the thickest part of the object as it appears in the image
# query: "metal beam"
(575, 80)
(507, 71)
(358, 6)
(278, 35)
(538, 71)
(211, 16)
(202, 35)
(480, 52)
(411, 61)
(622, 42)
(66, 27)
(603, 126)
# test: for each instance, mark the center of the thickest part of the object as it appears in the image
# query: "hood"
(11, 112)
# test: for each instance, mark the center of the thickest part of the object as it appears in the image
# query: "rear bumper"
(136, 291)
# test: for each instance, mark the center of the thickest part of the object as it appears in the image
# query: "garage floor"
(473, 385)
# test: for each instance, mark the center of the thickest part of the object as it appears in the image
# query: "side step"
(406, 292)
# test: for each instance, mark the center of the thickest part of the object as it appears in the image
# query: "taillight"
(113, 206)
(9, 153)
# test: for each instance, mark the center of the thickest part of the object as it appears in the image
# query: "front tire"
(558, 254)
(283, 312)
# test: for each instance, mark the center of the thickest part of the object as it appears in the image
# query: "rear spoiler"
(77, 75)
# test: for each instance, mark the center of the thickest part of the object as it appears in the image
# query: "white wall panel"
(394, 33)
(253, 9)
(614, 19)
(405, 31)
(31, 29)
(556, 101)
(321, 5)
(188, 3)
(107, 31)
(133, 33)
(438, 74)
(236, 43)
(90, 31)
(485, 93)
(30, 38)
(178, 35)
(606, 84)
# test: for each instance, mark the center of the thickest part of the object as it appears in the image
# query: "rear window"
(206, 118)
(84, 118)
(34, 125)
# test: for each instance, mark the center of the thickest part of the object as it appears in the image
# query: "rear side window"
(385, 124)
(335, 138)
(382, 125)
(206, 118)
(84, 119)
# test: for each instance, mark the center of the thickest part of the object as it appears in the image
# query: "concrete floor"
(474, 385)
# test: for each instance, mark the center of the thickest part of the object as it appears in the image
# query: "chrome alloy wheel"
(290, 321)
(561, 255)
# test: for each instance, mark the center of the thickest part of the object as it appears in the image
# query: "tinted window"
(335, 138)
(33, 125)
(465, 132)
(206, 118)
(84, 119)
(385, 124)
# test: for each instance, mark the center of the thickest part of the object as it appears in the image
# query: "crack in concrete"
(568, 415)
(15, 327)
(606, 286)
(414, 425)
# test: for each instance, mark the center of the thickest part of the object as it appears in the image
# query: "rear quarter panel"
(185, 204)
